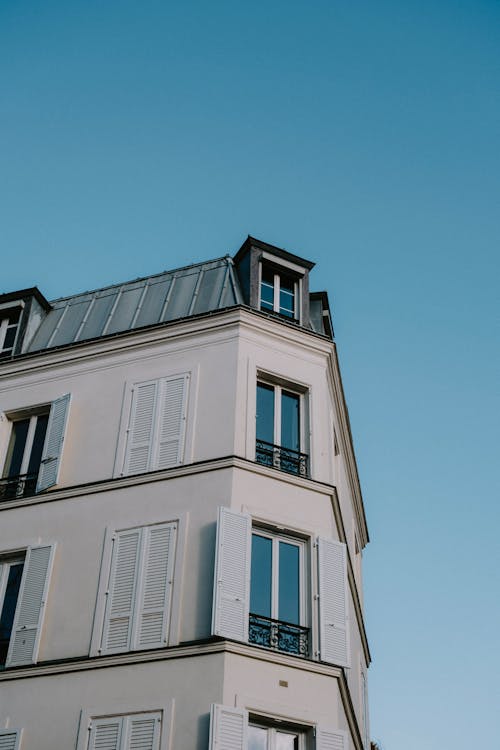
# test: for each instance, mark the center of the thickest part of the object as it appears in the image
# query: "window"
(9, 323)
(277, 602)
(262, 576)
(139, 589)
(280, 429)
(157, 425)
(141, 731)
(24, 580)
(232, 728)
(34, 450)
(278, 293)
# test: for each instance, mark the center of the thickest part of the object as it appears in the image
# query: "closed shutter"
(140, 432)
(232, 575)
(333, 602)
(105, 734)
(143, 732)
(121, 591)
(26, 629)
(52, 448)
(331, 739)
(172, 422)
(155, 595)
(9, 739)
(228, 728)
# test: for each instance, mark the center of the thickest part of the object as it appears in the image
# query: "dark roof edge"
(278, 251)
(32, 291)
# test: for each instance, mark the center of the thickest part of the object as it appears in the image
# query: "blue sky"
(138, 136)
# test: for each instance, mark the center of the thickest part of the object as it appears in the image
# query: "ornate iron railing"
(281, 458)
(278, 635)
(22, 485)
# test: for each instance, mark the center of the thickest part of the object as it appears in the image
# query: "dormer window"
(278, 293)
(9, 324)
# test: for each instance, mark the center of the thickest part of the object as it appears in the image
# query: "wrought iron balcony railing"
(281, 458)
(278, 635)
(22, 485)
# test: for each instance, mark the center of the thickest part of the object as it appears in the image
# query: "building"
(181, 520)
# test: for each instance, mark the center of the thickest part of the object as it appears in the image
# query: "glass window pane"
(290, 421)
(257, 738)
(9, 608)
(267, 290)
(265, 413)
(287, 297)
(261, 576)
(16, 448)
(287, 741)
(10, 337)
(37, 447)
(289, 583)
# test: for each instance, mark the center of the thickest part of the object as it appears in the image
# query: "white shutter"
(333, 602)
(331, 739)
(121, 591)
(140, 432)
(9, 739)
(52, 448)
(143, 732)
(26, 629)
(232, 575)
(155, 594)
(105, 734)
(228, 728)
(172, 422)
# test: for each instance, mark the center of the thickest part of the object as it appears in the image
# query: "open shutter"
(232, 575)
(121, 591)
(140, 432)
(172, 422)
(105, 734)
(331, 739)
(228, 728)
(26, 629)
(155, 594)
(52, 448)
(9, 739)
(333, 602)
(143, 732)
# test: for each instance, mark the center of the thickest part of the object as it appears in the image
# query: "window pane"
(257, 738)
(265, 413)
(9, 608)
(287, 297)
(267, 290)
(16, 448)
(10, 337)
(287, 741)
(38, 440)
(289, 582)
(290, 421)
(261, 576)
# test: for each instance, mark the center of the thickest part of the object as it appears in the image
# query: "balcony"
(279, 636)
(23, 485)
(284, 459)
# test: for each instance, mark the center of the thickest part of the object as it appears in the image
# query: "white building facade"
(181, 521)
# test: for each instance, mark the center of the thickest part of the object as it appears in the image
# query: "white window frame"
(32, 415)
(279, 386)
(4, 323)
(119, 709)
(273, 729)
(277, 274)
(277, 537)
(6, 561)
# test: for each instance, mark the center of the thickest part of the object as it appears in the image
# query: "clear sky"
(139, 136)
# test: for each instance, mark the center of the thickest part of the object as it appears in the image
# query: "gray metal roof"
(171, 295)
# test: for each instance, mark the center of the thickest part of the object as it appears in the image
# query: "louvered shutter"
(9, 739)
(143, 732)
(121, 591)
(232, 575)
(52, 448)
(26, 629)
(331, 739)
(155, 594)
(105, 734)
(140, 432)
(228, 728)
(333, 602)
(172, 422)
